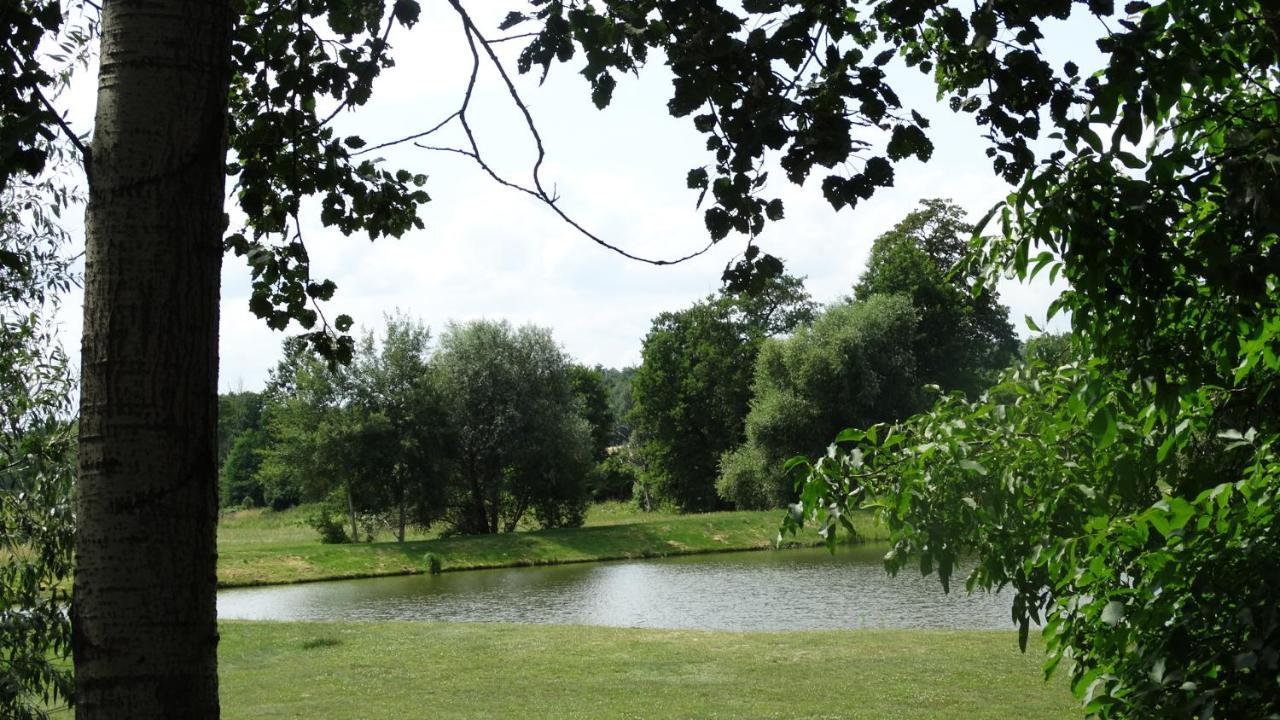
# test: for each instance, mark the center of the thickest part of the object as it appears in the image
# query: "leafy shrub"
(328, 522)
(744, 482)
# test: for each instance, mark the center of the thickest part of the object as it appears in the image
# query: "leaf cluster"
(1126, 498)
(286, 60)
(692, 390)
(804, 81)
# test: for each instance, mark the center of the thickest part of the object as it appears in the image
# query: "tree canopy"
(693, 387)
(963, 335)
(854, 365)
(521, 445)
(1128, 498)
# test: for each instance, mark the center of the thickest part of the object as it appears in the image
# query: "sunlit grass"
(267, 548)
(472, 670)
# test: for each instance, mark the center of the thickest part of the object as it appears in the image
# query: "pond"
(768, 590)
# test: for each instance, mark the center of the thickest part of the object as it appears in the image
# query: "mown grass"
(261, 526)
(269, 550)
(472, 670)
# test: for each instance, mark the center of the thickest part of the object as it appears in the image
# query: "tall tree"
(312, 438)
(963, 337)
(1128, 499)
(855, 365)
(397, 401)
(237, 412)
(692, 389)
(618, 382)
(590, 390)
(145, 639)
(521, 444)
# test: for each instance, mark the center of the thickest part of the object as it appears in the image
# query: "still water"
(768, 590)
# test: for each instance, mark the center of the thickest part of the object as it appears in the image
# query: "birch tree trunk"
(144, 616)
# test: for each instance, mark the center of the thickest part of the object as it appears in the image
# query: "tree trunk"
(400, 534)
(144, 615)
(351, 514)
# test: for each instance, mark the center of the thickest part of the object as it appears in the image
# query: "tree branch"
(475, 41)
(66, 129)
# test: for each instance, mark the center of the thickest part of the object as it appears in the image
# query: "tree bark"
(145, 634)
(351, 514)
(401, 503)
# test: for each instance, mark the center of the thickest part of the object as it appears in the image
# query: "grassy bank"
(276, 548)
(469, 670)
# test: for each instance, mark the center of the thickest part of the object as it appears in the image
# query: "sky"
(490, 252)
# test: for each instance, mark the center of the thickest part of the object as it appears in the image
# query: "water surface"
(768, 590)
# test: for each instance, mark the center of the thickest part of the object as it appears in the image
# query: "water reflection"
(790, 590)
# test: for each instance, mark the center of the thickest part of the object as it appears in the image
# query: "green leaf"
(1113, 612)
(1103, 427)
(850, 435)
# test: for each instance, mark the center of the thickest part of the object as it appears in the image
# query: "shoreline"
(265, 565)
(535, 563)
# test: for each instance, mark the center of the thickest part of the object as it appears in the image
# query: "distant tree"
(308, 454)
(618, 382)
(521, 445)
(775, 306)
(1052, 349)
(592, 392)
(402, 425)
(615, 478)
(238, 482)
(240, 439)
(237, 412)
(963, 339)
(692, 389)
(852, 367)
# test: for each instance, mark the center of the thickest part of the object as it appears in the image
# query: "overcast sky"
(490, 252)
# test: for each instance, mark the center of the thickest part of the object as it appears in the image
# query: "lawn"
(474, 670)
(257, 548)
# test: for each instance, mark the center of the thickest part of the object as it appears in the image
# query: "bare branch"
(538, 192)
(408, 138)
(508, 38)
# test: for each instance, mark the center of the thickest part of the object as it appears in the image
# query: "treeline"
(493, 425)
(487, 427)
(733, 386)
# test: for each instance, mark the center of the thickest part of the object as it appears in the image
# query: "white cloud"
(488, 251)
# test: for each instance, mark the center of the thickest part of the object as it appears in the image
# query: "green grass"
(472, 670)
(260, 527)
(269, 550)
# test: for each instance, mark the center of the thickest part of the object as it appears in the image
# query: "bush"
(328, 522)
(744, 481)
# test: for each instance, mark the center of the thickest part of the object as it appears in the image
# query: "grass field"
(472, 670)
(258, 548)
